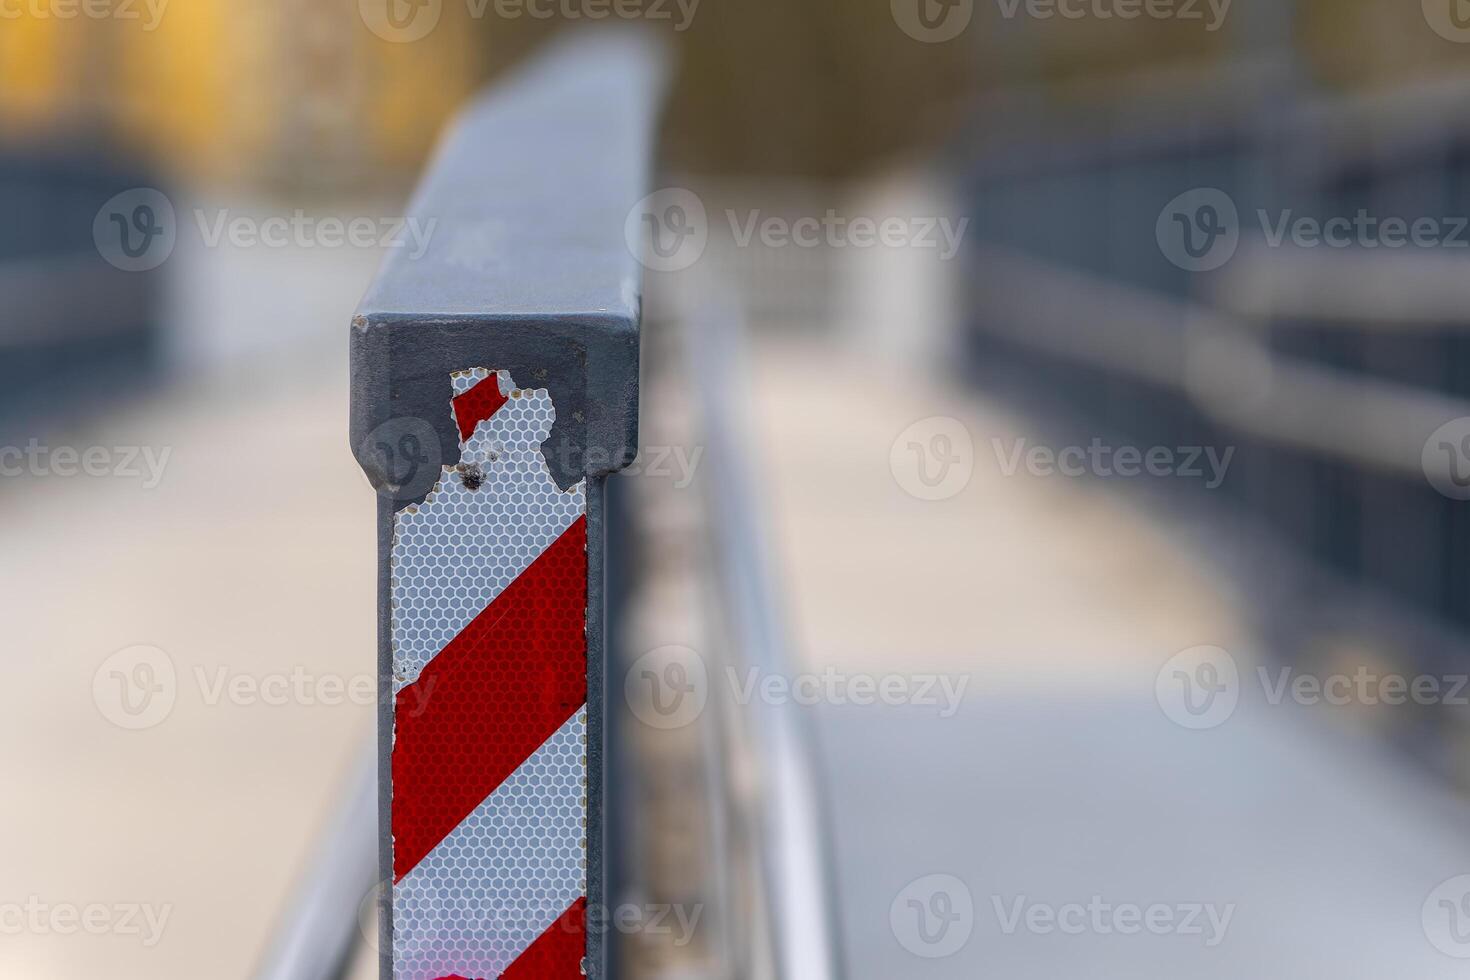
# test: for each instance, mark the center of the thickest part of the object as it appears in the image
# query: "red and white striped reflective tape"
(489, 770)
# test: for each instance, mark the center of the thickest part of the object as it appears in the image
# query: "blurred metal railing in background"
(791, 815)
(1326, 370)
(75, 324)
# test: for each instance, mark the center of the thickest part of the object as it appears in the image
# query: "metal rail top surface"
(529, 190)
(524, 206)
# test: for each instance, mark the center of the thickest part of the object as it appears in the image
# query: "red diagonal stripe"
(491, 697)
(557, 953)
(477, 405)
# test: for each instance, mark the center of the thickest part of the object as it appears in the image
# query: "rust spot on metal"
(472, 475)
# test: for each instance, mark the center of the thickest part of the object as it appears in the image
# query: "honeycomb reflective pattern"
(488, 589)
(496, 692)
(459, 549)
(466, 908)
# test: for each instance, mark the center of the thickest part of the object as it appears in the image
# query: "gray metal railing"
(530, 270)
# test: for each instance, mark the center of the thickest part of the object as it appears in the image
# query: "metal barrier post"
(495, 385)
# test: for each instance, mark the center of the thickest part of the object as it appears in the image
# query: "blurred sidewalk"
(251, 564)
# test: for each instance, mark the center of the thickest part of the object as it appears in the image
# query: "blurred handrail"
(317, 931)
(792, 812)
(1215, 359)
(1358, 289)
(1023, 130)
